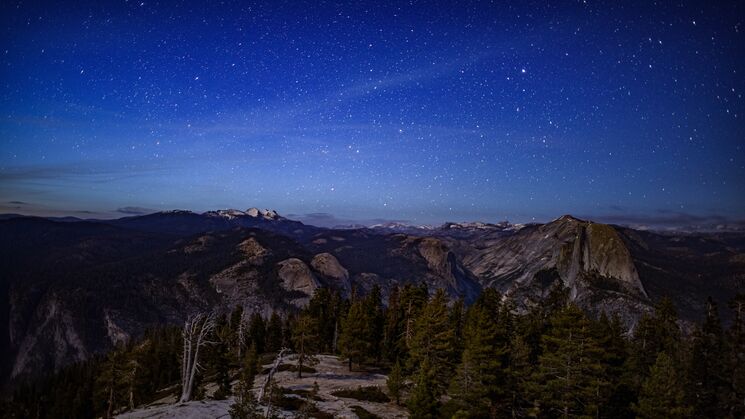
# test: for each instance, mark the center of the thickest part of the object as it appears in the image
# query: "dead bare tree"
(195, 333)
(268, 380)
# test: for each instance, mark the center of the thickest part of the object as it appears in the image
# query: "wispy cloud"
(325, 219)
(663, 219)
(134, 210)
(92, 171)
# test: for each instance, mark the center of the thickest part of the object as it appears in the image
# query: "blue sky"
(416, 111)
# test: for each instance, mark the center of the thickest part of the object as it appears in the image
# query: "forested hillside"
(442, 359)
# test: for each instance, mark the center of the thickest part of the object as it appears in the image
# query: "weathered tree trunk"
(195, 335)
(268, 380)
(110, 407)
(132, 388)
(336, 336)
(277, 363)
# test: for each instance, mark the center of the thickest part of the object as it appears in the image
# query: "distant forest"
(443, 360)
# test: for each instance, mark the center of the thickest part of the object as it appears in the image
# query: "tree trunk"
(110, 406)
(195, 333)
(336, 336)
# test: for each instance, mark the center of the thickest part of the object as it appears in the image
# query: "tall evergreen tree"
(392, 329)
(110, 388)
(662, 394)
(478, 380)
(305, 341)
(353, 340)
(618, 397)
(246, 406)
(273, 334)
(735, 361)
(395, 382)
(257, 334)
(707, 367)
(423, 402)
(518, 377)
(570, 373)
(433, 343)
(413, 300)
(373, 309)
(653, 334)
(219, 360)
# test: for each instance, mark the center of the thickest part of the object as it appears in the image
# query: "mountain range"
(72, 288)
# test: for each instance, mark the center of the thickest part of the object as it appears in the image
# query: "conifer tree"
(246, 406)
(477, 381)
(273, 334)
(570, 373)
(457, 320)
(432, 343)
(413, 300)
(373, 312)
(392, 328)
(305, 340)
(662, 394)
(736, 358)
(324, 309)
(518, 377)
(707, 366)
(109, 383)
(353, 340)
(609, 333)
(423, 402)
(653, 334)
(395, 382)
(220, 362)
(257, 333)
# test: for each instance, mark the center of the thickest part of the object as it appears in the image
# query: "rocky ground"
(331, 375)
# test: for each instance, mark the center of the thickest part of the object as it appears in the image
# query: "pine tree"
(305, 340)
(110, 387)
(735, 360)
(570, 373)
(413, 300)
(257, 333)
(395, 382)
(518, 377)
(662, 394)
(609, 333)
(433, 343)
(652, 335)
(478, 379)
(457, 320)
(707, 366)
(423, 402)
(353, 340)
(220, 362)
(273, 334)
(246, 406)
(324, 309)
(393, 327)
(373, 313)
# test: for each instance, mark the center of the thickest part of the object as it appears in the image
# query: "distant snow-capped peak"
(231, 214)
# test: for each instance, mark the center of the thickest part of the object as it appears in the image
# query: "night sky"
(628, 112)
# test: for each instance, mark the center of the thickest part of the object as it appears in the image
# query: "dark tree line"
(444, 359)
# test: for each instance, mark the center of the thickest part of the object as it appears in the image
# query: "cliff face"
(588, 258)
